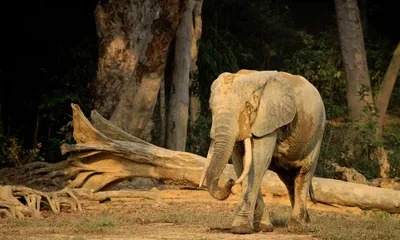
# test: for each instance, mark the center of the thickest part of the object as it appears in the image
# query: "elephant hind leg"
(288, 177)
(301, 188)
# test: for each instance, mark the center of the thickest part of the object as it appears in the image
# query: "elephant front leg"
(243, 221)
(262, 221)
(262, 150)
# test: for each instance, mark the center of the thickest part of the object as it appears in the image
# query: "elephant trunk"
(225, 136)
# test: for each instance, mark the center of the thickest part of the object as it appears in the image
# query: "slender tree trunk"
(35, 134)
(163, 114)
(179, 101)
(354, 58)
(386, 88)
(134, 37)
(195, 104)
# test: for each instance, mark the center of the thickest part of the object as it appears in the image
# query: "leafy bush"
(13, 154)
(392, 142)
(351, 145)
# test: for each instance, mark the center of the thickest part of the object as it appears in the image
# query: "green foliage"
(214, 58)
(198, 140)
(351, 145)
(392, 142)
(319, 61)
(13, 154)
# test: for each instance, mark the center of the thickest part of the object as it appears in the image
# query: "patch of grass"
(279, 219)
(88, 225)
(370, 225)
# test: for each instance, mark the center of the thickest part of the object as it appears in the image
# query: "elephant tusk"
(246, 160)
(209, 156)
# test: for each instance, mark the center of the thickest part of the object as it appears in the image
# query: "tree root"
(18, 202)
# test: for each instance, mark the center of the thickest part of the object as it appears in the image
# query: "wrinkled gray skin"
(284, 117)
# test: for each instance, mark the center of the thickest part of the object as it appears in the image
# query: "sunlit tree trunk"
(133, 38)
(354, 58)
(386, 88)
(195, 104)
(179, 100)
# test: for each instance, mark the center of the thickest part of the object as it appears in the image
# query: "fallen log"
(105, 155)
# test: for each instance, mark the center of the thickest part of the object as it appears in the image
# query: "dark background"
(49, 54)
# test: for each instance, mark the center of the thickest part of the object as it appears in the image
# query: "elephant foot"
(242, 229)
(293, 222)
(263, 227)
(242, 225)
(299, 221)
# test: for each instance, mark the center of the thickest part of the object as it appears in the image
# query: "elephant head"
(243, 105)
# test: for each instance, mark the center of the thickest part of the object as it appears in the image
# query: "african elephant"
(264, 120)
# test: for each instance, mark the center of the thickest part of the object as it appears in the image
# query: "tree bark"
(355, 62)
(106, 155)
(179, 101)
(197, 26)
(134, 37)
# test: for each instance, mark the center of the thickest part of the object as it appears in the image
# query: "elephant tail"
(311, 193)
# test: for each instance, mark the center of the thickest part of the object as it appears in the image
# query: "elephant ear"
(276, 108)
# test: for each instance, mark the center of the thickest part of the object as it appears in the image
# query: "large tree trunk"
(179, 100)
(197, 26)
(134, 37)
(106, 155)
(354, 58)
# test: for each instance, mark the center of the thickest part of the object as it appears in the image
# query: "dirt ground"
(194, 214)
(189, 214)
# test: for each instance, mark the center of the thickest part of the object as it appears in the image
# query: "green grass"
(330, 225)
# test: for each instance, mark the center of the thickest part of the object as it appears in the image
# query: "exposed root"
(18, 202)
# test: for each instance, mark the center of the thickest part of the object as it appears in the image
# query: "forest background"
(52, 52)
